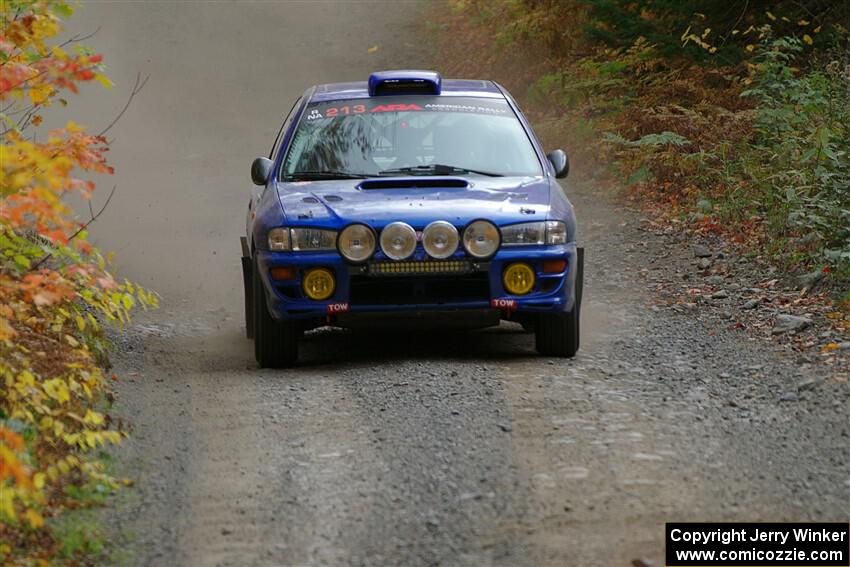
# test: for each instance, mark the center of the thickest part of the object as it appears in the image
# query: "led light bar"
(418, 268)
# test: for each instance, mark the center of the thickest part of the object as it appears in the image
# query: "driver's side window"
(283, 128)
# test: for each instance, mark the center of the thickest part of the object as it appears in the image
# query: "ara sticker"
(333, 308)
(395, 108)
(504, 304)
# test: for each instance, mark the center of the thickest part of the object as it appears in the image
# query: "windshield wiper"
(437, 169)
(318, 175)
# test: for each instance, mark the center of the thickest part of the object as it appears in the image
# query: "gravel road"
(414, 449)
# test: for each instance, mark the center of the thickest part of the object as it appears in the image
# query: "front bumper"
(482, 287)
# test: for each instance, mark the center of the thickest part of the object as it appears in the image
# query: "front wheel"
(275, 343)
(557, 334)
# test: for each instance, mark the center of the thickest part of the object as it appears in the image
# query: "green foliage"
(78, 535)
(802, 149)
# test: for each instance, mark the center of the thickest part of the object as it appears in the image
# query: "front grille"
(420, 267)
(429, 289)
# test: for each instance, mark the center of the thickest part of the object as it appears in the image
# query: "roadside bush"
(55, 291)
(802, 146)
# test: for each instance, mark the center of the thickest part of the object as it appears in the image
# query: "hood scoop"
(413, 183)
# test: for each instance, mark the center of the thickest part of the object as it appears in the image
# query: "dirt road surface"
(413, 449)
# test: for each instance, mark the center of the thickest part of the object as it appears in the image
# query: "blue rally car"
(409, 197)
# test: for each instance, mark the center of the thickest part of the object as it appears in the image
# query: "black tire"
(248, 288)
(558, 334)
(275, 343)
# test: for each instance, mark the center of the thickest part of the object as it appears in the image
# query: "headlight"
(481, 239)
(556, 232)
(301, 239)
(440, 239)
(279, 239)
(543, 232)
(357, 242)
(398, 240)
(312, 239)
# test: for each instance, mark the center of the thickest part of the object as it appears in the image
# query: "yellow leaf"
(803, 23)
(103, 80)
(807, 38)
(750, 48)
(817, 29)
(57, 389)
(6, 330)
(93, 418)
(830, 347)
(7, 507)
(40, 93)
(91, 438)
(46, 422)
(34, 518)
(38, 480)
(771, 16)
(372, 49)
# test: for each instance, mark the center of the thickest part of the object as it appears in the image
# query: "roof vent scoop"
(404, 82)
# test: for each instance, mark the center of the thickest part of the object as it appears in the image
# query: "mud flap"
(579, 275)
(247, 275)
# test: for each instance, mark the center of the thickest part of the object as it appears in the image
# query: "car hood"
(334, 203)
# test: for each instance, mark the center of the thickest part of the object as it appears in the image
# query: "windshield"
(409, 135)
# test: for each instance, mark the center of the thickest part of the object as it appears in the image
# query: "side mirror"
(559, 161)
(260, 170)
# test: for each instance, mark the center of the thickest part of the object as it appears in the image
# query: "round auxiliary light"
(398, 240)
(518, 279)
(319, 284)
(440, 239)
(481, 239)
(357, 242)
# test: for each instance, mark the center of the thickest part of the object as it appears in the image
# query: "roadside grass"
(78, 536)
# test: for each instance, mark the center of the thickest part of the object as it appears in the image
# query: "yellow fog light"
(319, 284)
(518, 279)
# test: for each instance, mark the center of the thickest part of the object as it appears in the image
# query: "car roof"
(450, 87)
